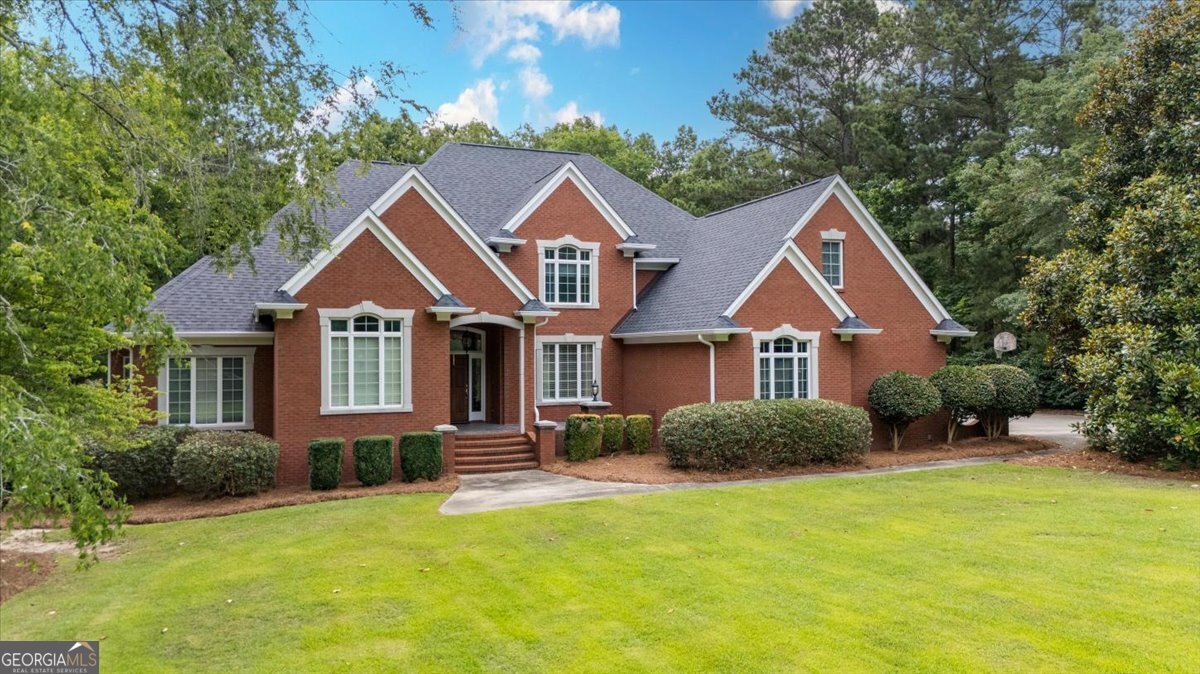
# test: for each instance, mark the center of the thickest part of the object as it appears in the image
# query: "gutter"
(712, 368)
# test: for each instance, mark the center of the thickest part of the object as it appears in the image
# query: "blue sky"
(644, 66)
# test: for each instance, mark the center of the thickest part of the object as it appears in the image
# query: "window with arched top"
(568, 273)
(365, 359)
(783, 369)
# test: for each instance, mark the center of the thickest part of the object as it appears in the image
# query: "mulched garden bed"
(183, 507)
(653, 469)
(1107, 462)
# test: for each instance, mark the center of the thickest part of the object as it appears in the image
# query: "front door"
(467, 378)
(460, 372)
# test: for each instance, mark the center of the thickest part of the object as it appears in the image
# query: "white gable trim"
(413, 179)
(570, 172)
(881, 240)
(367, 222)
(791, 252)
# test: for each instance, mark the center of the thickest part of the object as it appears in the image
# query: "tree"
(1120, 304)
(900, 398)
(138, 137)
(634, 156)
(706, 176)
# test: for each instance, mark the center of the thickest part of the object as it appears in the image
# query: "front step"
(493, 453)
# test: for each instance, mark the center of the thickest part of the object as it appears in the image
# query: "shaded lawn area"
(992, 567)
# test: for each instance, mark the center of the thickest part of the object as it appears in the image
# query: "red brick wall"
(365, 270)
(568, 211)
(880, 297)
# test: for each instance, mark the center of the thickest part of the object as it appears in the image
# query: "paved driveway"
(496, 491)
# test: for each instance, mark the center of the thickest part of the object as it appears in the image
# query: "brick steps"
(493, 453)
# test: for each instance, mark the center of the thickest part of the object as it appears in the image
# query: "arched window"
(568, 275)
(783, 369)
(366, 363)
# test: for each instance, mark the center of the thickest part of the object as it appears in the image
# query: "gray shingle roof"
(720, 254)
(725, 251)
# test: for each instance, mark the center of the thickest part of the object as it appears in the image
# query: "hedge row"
(141, 465)
(584, 437)
(226, 463)
(764, 433)
(420, 459)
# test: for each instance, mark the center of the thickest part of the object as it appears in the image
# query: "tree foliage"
(1121, 303)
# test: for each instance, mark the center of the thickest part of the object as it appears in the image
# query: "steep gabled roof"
(725, 252)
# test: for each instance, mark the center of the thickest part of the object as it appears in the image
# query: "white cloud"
(487, 27)
(477, 103)
(570, 112)
(525, 53)
(534, 83)
(330, 112)
(786, 9)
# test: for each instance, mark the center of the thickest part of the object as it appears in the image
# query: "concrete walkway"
(497, 491)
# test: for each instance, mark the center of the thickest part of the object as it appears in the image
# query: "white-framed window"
(832, 266)
(366, 359)
(568, 273)
(211, 387)
(785, 364)
(567, 366)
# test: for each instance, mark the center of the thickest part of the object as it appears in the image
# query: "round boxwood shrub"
(638, 429)
(373, 459)
(141, 467)
(421, 456)
(226, 463)
(325, 463)
(584, 437)
(900, 398)
(764, 433)
(614, 433)
(965, 390)
(1016, 396)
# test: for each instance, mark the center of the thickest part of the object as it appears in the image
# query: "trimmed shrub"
(585, 435)
(1016, 396)
(638, 431)
(614, 433)
(325, 463)
(900, 398)
(373, 459)
(965, 391)
(142, 467)
(421, 456)
(226, 463)
(764, 433)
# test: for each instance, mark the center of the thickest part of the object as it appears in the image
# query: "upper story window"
(568, 273)
(783, 369)
(365, 360)
(831, 262)
(210, 387)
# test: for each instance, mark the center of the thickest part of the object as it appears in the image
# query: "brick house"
(491, 291)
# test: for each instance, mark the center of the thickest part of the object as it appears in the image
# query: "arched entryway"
(468, 375)
(487, 362)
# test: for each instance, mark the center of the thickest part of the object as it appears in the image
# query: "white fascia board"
(366, 222)
(231, 338)
(679, 336)
(881, 240)
(278, 310)
(655, 263)
(791, 253)
(631, 249)
(570, 172)
(944, 336)
(857, 331)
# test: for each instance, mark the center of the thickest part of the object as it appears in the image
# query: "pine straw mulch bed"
(1107, 462)
(653, 469)
(184, 507)
(22, 570)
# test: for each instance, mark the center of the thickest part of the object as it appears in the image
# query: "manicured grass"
(988, 568)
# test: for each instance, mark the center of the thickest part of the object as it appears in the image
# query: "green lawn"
(988, 568)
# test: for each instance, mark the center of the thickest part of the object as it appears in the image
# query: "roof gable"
(569, 171)
(791, 253)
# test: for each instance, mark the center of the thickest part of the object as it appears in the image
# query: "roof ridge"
(769, 196)
(521, 149)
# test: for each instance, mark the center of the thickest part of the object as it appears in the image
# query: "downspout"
(712, 368)
(634, 265)
(537, 416)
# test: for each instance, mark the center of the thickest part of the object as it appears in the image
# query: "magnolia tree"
(1120, 304)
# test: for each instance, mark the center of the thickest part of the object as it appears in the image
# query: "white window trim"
(244, 352)
(568, 240)
(597, 361)
(786, 330)
(348, 313)
(841, 254)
